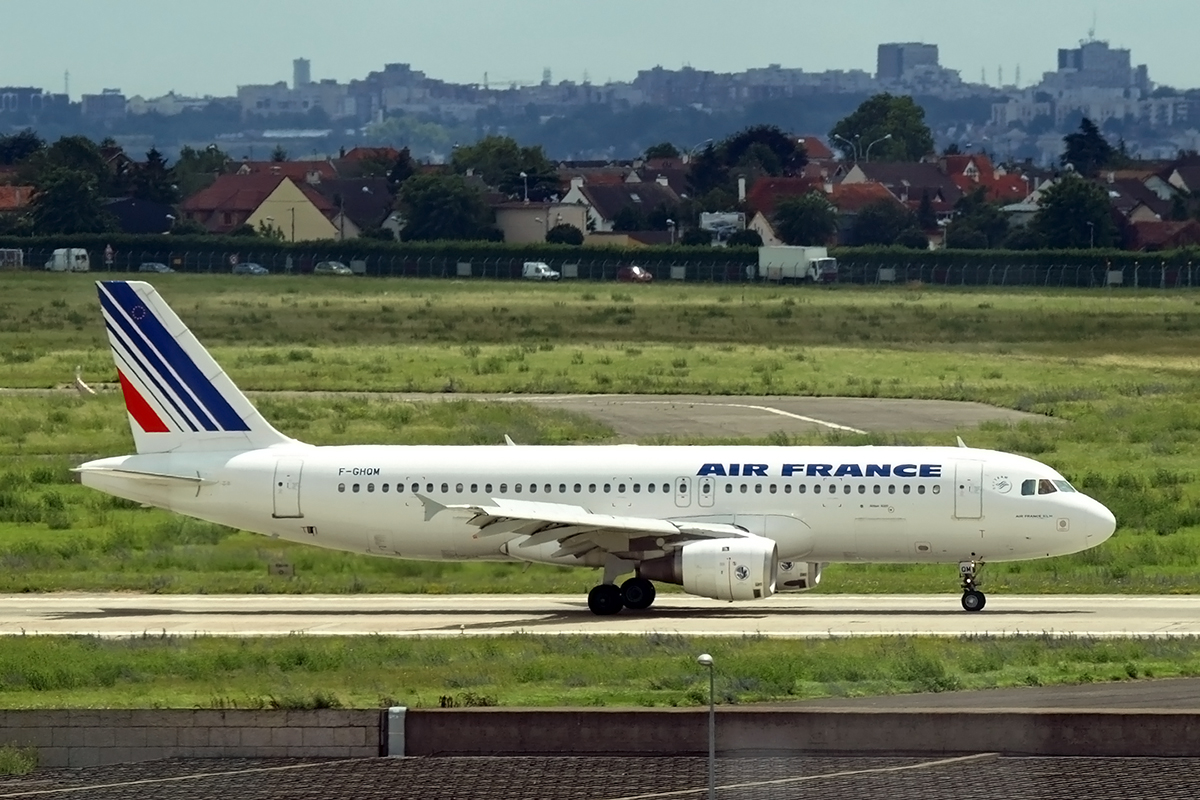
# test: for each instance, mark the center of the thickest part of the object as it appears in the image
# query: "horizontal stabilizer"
(150, 477)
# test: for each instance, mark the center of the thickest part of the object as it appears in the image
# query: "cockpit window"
(1043, 486)
(1063, 486)
(1029, 487)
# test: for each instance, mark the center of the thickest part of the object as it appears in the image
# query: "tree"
(629, 219)
(244, 230)
(882, 222)
(68, 201)
(662, 150)
(402, 170)
(1179, 208)
(745, 238)
(962, 235)
(152, 180)
(499, 160)
(1075, 213)
(269, 232)
(975, 217)
(1087, 150)
(707, 172)
(196, 169)
(765, 147)
(564, 233)
(442, 207)
(188, 227)
(926, 216)
(696, 237)
(279, 153)
(952, 149)
(72, 153)
(377, 234)
(810, 220)
(1025, 237)
(19, 146)
(875, 119)
(913, 239)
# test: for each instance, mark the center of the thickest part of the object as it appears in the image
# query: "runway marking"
(768, 409)
(180, 778)
(824, 776)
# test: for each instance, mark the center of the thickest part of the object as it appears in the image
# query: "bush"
(565, 233)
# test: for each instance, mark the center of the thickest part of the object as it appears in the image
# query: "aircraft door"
(968, 489)
(287, 488)
(707, 489)
(683, 492)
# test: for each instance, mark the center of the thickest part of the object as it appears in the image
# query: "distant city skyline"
(148, 49)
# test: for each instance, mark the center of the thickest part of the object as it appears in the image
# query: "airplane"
(729, 523)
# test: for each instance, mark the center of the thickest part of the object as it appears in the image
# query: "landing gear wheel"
(605, 600)
(637, 593)
(973, 600)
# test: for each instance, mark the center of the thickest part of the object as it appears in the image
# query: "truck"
(538, 271)
(787, 263)
(69, 259)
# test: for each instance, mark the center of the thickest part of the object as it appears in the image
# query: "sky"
(151, 47)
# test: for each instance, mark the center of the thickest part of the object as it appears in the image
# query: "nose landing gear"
(972, 599)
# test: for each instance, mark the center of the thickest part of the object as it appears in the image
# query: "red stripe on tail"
(139, 409)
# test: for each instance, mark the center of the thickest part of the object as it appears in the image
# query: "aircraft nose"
(1101, 524)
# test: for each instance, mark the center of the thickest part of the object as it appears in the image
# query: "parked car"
(538, 271)
(250, 268)
(634, 274)
(69, 259)
(154, 266)
(331, 268)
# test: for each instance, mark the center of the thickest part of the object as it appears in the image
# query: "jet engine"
(798, 576)
(723, 569)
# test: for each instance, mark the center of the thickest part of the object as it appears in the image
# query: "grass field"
(1116, 369)
(524, 670)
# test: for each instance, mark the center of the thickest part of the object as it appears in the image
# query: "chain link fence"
(584, 267)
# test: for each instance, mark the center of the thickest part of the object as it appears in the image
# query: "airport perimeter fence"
(1152, 273)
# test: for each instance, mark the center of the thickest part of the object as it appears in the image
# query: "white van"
(69, 259)
(539, 271)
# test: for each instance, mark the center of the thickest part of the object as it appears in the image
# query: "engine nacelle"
(723, 569)
(798, 576)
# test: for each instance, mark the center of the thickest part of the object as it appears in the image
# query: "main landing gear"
(607, 599)
(972, 599)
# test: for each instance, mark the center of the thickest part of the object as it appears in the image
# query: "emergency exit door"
(968, 489)
(287, 488)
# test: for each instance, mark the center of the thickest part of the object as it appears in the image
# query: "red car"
(634, 275)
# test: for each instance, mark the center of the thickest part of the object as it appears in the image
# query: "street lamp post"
(693, 150)
(1091, 234)
(293, 210)
(671, 228)
(705, 660)
(853, 145)
(867, 157)
(525, 182)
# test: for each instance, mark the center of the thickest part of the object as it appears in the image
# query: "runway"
(795, 616)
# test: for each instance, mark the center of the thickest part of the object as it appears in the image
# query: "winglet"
(508, 441)
(961, 443)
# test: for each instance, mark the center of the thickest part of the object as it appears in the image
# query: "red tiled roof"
(1163, 235)
(239, 196)
(298, 171)
(14, 198)
(361, 153)
(853, 197)
(815, 147)
(766, 193)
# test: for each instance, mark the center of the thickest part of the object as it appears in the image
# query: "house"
(675, 177)
(909, 182)
(311, 172)
(1185, 177)
(970, 172)
(1135, 201)
(815, 148)
(298, 210)
(1158, 235)
(140, 216)
(530, 222)
(15, 199)
(360, 204)
(766, 193)
(604, 202)
(630, 239)
(851, 198)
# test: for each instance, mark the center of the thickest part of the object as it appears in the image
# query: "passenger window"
(385, 488)
(637, 488)
(802, 488)
(1046, 486)
(772, 488)
(744, 487)
(729, 488)
(416, 487)
(787, 488)
(399, 488)
(891, 488)
(683, 488)
(370, 487)
(650, 488)
(458, 488)
(487, 487)
(355, 487)
(937, 489)
(578, 488)
(547, 488)
(533, 488)
(341, 487)
(607, 488)
(704, 488)
(517, 488)
(562, 488)
(621, 488)
(474, 488)
(666, 488)
(592, 488)
(862, 488)
(445, 488)
(907, 489)
(877, 488)
(816, 488)
(429, 488)
(846, 489)
(921, 489)
(504, 488)
(758, 488)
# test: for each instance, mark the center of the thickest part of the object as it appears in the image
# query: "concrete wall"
(87, 738)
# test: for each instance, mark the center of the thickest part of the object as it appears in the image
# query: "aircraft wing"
(578, 530)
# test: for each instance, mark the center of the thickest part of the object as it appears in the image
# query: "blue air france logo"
(822, 470)
(145, 350)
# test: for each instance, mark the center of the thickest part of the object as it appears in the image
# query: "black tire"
(638, 594)
(973, 600)
(605, 600)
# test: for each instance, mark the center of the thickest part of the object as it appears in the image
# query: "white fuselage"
(819, 504)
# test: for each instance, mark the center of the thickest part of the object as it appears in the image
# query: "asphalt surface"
(828, 778)
(788, 616)
(635, 416)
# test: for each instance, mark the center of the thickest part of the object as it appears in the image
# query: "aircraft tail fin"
(178, 398)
